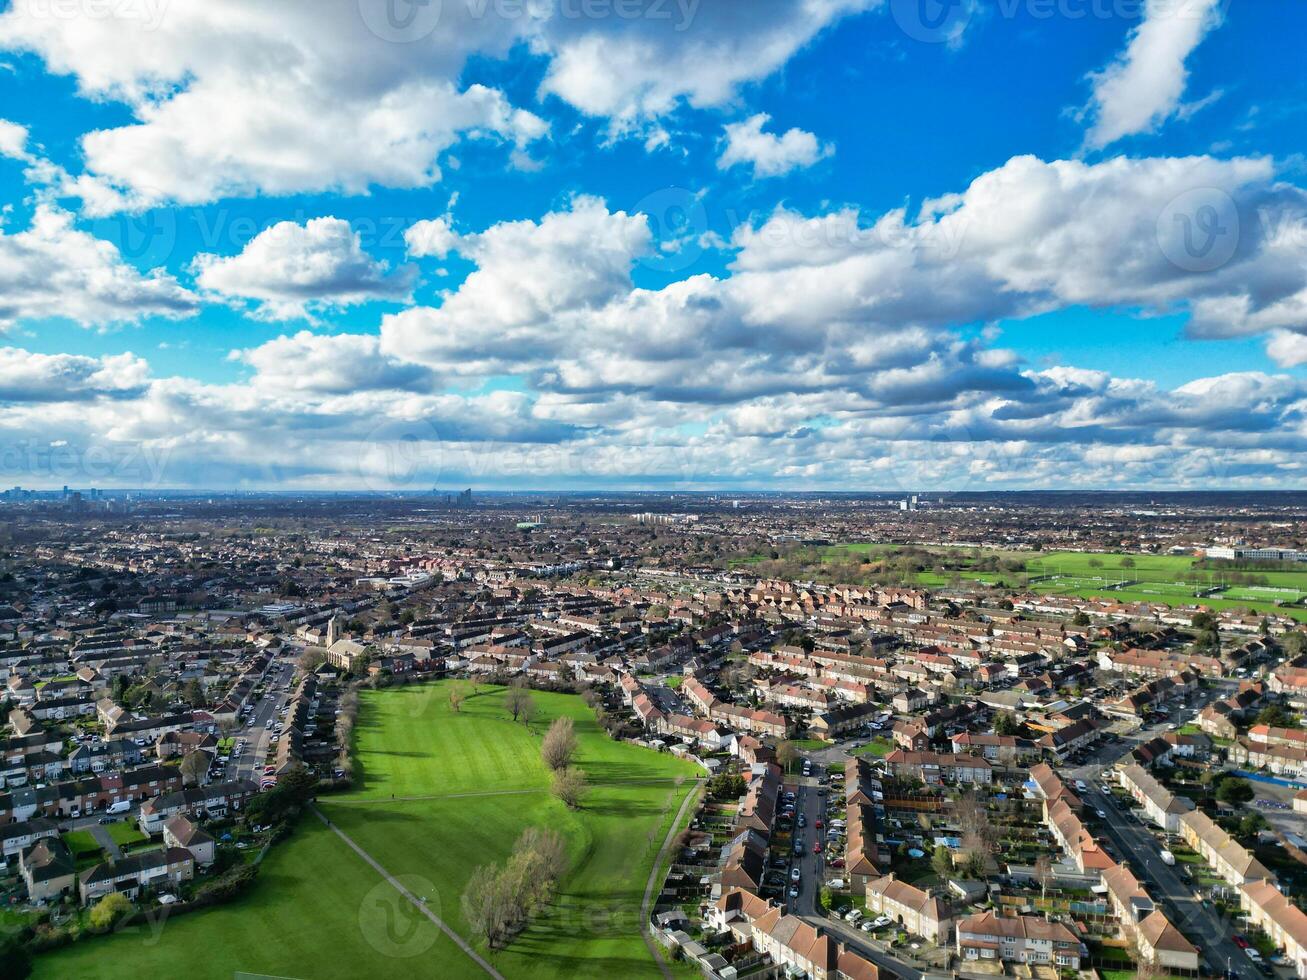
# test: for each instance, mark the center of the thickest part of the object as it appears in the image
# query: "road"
(1174, 896)
(1136, 844)
(812, 868)
(249, 763)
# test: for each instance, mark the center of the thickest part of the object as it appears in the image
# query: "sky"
(903, 245)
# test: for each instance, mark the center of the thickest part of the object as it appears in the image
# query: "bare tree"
(456, 697)
(570, 786)
(1043, 874)
(787, 753)
(194, 767)
(516, 698)
(559, 745)
(550, 846)
(528, 709)
(487, 906)
(979, 835)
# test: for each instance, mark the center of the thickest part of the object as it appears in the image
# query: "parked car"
(795, 875)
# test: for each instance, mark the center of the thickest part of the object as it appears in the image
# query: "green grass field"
(1126, 578)
(877, 748)
(320, 912)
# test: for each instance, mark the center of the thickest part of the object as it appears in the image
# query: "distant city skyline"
(881, 245)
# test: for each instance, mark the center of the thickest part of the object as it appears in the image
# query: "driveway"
(105, 840)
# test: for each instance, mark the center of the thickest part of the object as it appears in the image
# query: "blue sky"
(846, 243)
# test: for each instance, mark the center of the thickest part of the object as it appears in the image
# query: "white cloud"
(238, 97)
(1144, 86)
(54, 270)
(29, 377)
(631, 76)
(1287, 349)
(770, 155)
(291, 270)
(13, 140)
(527, 274)
(334, 364)
(434, 237)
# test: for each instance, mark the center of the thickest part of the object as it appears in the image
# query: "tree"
(559, 744)
(108, 910)
(570, 786)
(1294, 644)
(15, 960)
(1004, 723)
(193, 693)
(194, 766)
(515, 699)
(1252, 824)
(486, 905)
(726, 786)
(528, 709)
(298, 784)
(1043, 874)
(979, 835)
(456, 697)
(1275, 716)
(311, 659)
(549, 845)
(942, 861)
(787, 754)
(1127, 562)
(1232, 790)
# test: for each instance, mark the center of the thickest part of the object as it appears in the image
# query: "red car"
(837, 863)
(816, 848)
(818, 825)
(1241, 942)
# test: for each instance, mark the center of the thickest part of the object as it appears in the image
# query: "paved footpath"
(413, 899)
(647, 901)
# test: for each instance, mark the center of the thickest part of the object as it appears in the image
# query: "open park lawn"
(465, 785)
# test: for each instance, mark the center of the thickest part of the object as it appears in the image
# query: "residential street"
(813, 869)
(1197, 920)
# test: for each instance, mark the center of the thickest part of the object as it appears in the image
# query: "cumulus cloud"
(292, 269)
(434, 237)
(1287, 349)
(768, 154)
(236, 97)
(1144, 86)
(331, 364)
(826, 354)
(29, 377)
(13, 140)
(52, 269)
(632, 73)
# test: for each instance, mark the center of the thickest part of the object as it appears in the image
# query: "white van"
(121, 806)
